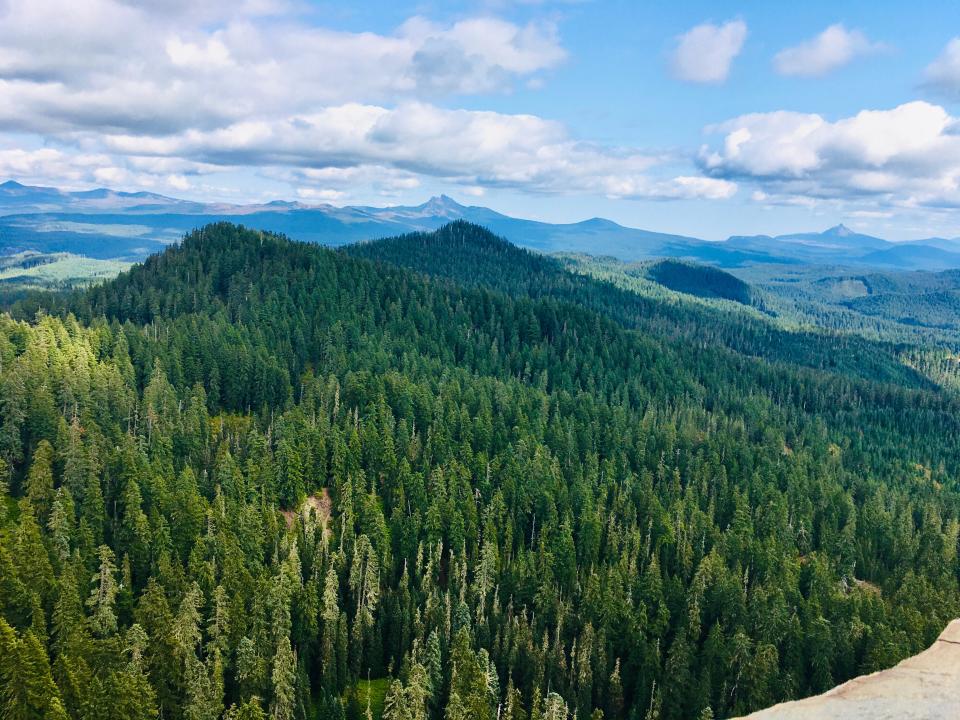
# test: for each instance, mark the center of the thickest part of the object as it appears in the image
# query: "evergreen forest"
(438, 477)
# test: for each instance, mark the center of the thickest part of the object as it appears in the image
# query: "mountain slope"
(470, 254)
(517, 487)
(109, 224)
(16, 198)
(701, 281)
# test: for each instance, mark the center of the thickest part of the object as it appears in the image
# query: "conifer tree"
(39, 483)
(27, 690)
(250, 710)
(283, 681)
(103, 619)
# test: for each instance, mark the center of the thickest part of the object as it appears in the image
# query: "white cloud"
(212, 53)
(159, 93)
(695, 186)
(704, 53)
(908, 155)
(833, 48)
(77, 170)
(321, 194)
(871, 214)
(341, 183)
(43, 163)
(165, 67)
(178, 182)
(470, 148)
(943, 74)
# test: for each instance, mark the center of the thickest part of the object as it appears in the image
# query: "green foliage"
(252, 475)
(700, 280)
(915, 307)
(365, 694)
(27, 276)
(624, 293)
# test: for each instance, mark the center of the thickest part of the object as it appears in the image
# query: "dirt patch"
(316, 508)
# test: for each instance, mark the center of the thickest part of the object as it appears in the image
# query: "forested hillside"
(257, 478)
(471, 255)
(700, 280)
(919, 308)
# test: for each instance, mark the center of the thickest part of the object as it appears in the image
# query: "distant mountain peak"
(840, 230)
(440, 203)
(40, 212)
(599, 224)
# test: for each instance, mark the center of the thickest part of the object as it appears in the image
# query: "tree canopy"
(256, 478)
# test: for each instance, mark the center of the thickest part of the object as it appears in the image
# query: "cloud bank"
(907, 156)
(155, 93)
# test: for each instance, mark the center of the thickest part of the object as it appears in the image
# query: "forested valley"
(440, 478)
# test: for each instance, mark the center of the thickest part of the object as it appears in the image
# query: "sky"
(701, 118)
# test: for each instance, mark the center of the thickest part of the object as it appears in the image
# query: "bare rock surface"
(922, 687)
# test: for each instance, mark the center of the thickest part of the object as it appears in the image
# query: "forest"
(437, 477)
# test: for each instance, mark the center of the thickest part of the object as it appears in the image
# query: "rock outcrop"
(922, 687)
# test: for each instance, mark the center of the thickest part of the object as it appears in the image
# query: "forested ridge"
(541, 505)
(701, 281)
(471, 255)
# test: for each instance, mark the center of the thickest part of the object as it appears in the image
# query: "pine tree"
(251, 669)
(77, 464)
(289, 483)
(93, 512)
(4, 473)
(395, 702)
(132, 695)
(135, 527)
(365, 581)
(283, 679)
(39, 482)
(162, 656)
(27, 690)
(554, 708)
(614, 708)
(469, 679)
(103, 619)
(61, 524)
(218, 626)
(69, 626)
(250, 710)
(330, 615)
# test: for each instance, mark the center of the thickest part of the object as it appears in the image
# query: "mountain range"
(104, 223)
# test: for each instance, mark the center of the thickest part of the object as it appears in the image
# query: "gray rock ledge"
(922, 687)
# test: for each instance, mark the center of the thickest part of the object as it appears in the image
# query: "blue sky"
(702, 118)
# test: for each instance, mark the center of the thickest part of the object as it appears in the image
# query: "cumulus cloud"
(704, 53)
(102, 63)
(468, 147)
(943, 74)
(833, 48)
(324, 195)
(76, 170)
(908, 155)
(337, 183)
(159, 93)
